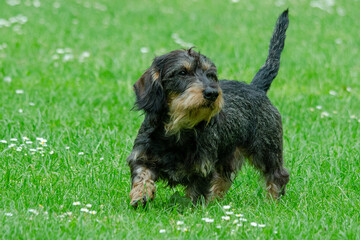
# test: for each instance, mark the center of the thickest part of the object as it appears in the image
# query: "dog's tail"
(268, 72)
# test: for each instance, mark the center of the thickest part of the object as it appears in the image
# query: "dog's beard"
(190, 108)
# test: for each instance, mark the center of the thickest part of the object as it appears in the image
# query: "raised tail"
(268, 72)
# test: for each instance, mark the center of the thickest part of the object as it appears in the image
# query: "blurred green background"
(66, 75)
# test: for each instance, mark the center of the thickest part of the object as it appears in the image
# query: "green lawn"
(66, 75)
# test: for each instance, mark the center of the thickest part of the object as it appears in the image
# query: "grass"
(84, 103)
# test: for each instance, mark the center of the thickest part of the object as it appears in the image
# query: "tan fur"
(187, 65)
(273, 190)
(219, 186)
(188, 109)
(205, 66)
(143, 186)
(139, 86)
(155, 75)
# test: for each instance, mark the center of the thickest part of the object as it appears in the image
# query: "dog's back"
(246, 110)
(268, 72)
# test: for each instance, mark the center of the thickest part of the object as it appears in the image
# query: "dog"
(198, 130)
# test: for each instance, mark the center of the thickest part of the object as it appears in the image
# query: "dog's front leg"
(143, 179)
(199, 190)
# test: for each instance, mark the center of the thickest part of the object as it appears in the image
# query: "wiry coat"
(197, 130)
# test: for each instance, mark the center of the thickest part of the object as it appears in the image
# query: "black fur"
(207, 156)
(268, 72)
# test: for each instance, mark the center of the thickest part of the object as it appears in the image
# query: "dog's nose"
(211, 94)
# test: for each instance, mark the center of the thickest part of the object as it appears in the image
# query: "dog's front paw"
(142, 192)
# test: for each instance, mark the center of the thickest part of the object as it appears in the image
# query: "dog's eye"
(182, 73)
(212, 76)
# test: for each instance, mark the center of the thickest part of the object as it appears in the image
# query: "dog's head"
(183, 85)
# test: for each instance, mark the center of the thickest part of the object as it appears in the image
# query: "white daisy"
(34, 211)
(85, 54)
(56, 5)
(84, 210)
(332, 92)
(144, 50)
(325, 114)
(36, 3)
(7, 79)
(60, 51)
(68, 57)
(208, 220)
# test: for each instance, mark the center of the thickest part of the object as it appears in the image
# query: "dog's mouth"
(186, 111)
(208, 104)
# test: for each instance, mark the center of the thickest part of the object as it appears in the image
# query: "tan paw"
(142, 192)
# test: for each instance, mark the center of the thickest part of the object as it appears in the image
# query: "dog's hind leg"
(276, 181)
(276, 176)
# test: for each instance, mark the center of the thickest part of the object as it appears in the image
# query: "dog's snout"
(211, 94)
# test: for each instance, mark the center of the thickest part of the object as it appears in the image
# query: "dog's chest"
(180, 163)
(179, 170)
(185, 157)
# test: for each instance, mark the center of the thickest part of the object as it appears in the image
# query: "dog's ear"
(150, 95)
